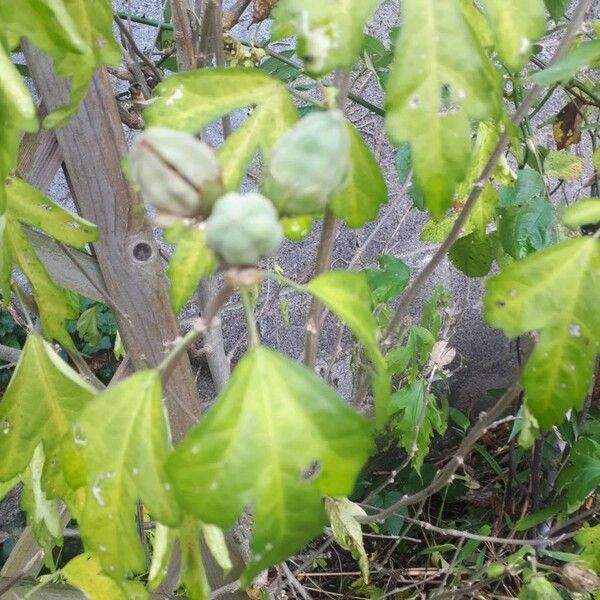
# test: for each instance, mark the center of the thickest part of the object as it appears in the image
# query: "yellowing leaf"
(305, 442)
(28, 206)
(43, 398)
(555, 292)
(192, 100)
(516, 24)
(84, 572)
(119, 445)
(216, 543)
(77, 34)
(162, 548)
(433, 93)
(563, 165)
(42, 514)
(347, 530)
(191, 261)
(329, 34)
(18, 111)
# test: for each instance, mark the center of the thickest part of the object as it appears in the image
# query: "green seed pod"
(309, 164)
(176, 172)
(243, 228)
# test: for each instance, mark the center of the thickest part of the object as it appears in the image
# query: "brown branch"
(445, 475)
(184, 35)
(232, 17)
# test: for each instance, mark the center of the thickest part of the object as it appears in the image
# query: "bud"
(243, 228)
(309, 164)
(176, 172)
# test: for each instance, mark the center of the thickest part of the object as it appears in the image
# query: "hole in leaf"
(311, 472)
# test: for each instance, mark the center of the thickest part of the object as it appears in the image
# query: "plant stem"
(201, 327)
(144, 21)
(253, 337)
(351, 95)
(182, 29)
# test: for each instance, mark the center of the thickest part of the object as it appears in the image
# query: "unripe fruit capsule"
(309, 164)
(243, 228)
(176, 172)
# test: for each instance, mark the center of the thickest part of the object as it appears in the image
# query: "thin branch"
(450, 532)
(445, 475)
(232, 17)
(323, 263)
(9, 355)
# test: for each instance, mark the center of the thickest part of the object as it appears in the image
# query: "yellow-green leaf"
(583, 212)
(563, 165)
(43, 398)
(305, 442)
(433, 93)
(329, 34)
(555, 292)
(347, 530)
(85, 572)
(516, 25)
(118, 445)
(191, 261)
(77, 34)
(18, 114)
(366, 190)
(192, 100)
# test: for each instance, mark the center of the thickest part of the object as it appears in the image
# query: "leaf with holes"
(433, 94)
(516, 26)
(190, 101)
(292, 421)
(329, 34)
(553, 291)
(359, 201)
(116, 451)
(76, 34)
(43, 398)
(191, 261)
(28, 206)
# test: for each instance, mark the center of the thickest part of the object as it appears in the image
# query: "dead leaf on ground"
(262, 9)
